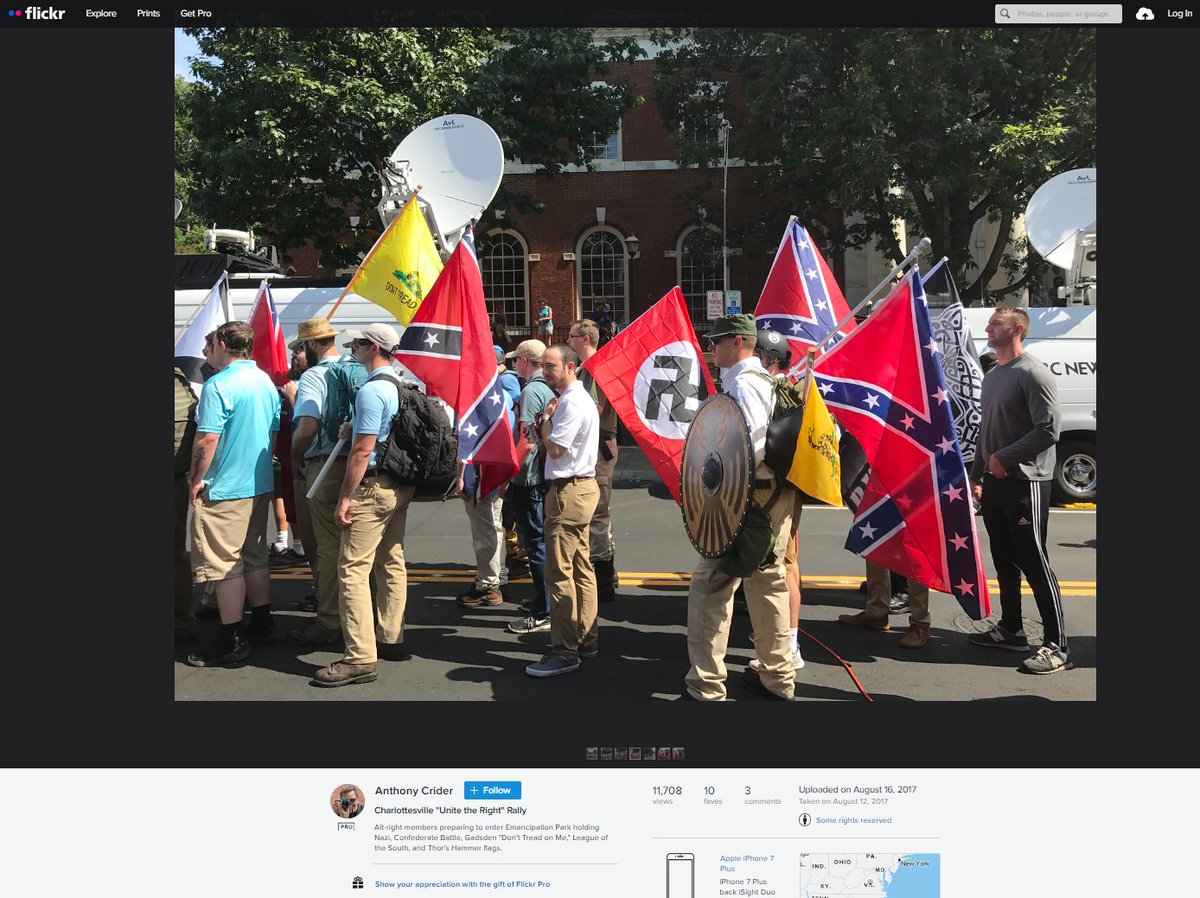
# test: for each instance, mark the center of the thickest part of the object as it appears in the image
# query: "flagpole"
(367, 258)
(887, 280)
(810, 359)
(325, 468)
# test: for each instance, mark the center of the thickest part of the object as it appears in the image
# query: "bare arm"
(203, 450)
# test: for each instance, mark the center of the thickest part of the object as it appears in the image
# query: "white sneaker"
(797, 662)
(1047, 660)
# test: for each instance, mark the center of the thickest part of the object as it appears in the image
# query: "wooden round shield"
(717, 476)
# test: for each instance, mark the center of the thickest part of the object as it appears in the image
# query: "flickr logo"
(37, 12)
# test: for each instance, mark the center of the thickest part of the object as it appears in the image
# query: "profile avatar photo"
(347, 801)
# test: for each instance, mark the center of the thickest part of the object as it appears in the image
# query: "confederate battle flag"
(800, 298)
(654, 374)
(884, 383)
(448, 344)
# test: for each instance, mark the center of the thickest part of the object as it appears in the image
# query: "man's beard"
(310, 355)
(299, 366)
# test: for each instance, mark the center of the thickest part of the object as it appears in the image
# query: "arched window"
(505, 276)
(700, 270)
(603, 273)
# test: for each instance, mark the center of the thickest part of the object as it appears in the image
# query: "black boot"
(605, 589)
(230, 648)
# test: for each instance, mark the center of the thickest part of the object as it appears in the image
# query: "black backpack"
(421, 445)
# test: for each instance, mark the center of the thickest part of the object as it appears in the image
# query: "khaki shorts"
(229, 537)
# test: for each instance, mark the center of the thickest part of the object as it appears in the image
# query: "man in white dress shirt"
(569, 430)
(710, 595)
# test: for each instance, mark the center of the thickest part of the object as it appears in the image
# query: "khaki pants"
(879, 595)
(570, 579)
(374, 542)
(487, 540)
(710, 607)
(303, 522)
(600, 538)
(323, 554)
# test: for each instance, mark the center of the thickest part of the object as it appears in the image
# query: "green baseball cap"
(729, 325)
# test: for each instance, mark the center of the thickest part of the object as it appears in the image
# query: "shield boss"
(717, 475)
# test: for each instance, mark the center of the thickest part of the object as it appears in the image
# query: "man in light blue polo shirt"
(230, 485)
(372, 511)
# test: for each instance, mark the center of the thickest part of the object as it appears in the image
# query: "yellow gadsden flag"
(401, 267)
(816, 468)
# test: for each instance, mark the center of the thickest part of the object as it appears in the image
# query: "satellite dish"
(1059, 212)
(178, 207)
(457, 161)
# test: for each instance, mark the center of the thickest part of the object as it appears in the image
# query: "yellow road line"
(675, 578)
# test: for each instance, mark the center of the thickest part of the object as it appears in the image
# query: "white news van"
(1065, 339)
(296, 299)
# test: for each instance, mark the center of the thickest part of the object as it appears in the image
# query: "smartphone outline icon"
(681, 875)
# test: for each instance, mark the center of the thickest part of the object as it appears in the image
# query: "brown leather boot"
(916, 636)
(344, 673)
(862, 619)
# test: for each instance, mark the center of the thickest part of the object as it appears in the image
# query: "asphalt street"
(467, 655)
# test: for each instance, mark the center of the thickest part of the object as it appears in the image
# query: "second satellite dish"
(457, 161)
(1059, 212)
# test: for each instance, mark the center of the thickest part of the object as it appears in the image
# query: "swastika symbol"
(680, 389)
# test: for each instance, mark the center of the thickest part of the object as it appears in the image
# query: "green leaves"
(290, 124)
(939, 127)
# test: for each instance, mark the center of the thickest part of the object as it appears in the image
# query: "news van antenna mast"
(1060, 222)
(458, 161)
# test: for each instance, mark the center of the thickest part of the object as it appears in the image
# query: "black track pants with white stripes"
(1016, 513)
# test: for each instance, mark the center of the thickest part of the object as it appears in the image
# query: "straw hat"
(313, 329)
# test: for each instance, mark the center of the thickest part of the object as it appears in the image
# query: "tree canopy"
(940, 127)
(189, 226)
(292, 124)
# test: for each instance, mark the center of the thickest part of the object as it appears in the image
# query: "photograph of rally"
(802, 321)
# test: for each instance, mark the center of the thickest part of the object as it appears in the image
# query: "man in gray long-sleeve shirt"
(1011, 473)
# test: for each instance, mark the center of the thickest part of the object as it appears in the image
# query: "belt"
(563, 481)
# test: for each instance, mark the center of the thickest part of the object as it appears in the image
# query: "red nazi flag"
(654, 374)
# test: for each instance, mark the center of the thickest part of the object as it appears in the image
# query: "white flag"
(189, 347)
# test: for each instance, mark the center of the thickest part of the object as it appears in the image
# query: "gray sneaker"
(997, 637)
(529, 624)
(1047, 660)
(552, 665)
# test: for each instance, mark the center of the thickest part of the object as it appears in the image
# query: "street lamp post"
(725, 128)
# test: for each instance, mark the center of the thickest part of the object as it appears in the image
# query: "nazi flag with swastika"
(654, 374)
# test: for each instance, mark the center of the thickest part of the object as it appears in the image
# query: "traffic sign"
(716, 301)
(733, 302)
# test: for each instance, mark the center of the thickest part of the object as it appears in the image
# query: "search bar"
(1058, 14)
